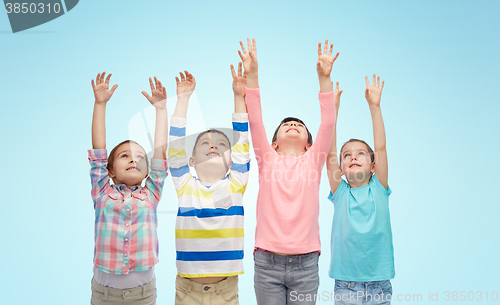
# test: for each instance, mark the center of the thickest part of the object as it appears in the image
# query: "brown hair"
(370, 150)
(207, 131)
(111, 158)
(288, 119)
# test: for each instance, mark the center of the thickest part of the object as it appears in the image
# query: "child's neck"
(355, 183)
(210, 176)
(291, 150)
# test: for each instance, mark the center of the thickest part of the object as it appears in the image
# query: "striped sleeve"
(177, 158)
(240, 154)
(156, 178)
(99, 178)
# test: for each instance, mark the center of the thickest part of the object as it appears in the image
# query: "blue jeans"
(282, 279)
(363, 293)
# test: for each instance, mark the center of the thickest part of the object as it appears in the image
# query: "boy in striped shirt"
(209, 227)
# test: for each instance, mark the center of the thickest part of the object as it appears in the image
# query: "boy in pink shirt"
(287, 243)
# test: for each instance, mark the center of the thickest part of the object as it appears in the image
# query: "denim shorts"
(363, 293)
(283, 280)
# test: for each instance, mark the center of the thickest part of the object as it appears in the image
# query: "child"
(209, 227)
(362, 260)
(126, 244)
(287, 242)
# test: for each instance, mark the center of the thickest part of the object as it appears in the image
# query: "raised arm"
(239, 82)
(332, 163)
(324, 67)
(158, 99)
(185, 87)
(373, 94)
(102, 96)
(252, 96)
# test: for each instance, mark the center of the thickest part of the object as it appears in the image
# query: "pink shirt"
(288, 200)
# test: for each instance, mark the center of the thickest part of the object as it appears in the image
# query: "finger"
(243, 48)
(378, 81)
(367, 83)
(232, 72)
(331, 50)
(183, 78)
(165, 91)
(151, 85)
(93, 85)
(97, 78)
(340, 92)
(102, 77)
(239, 68)
(107, 79)
(335, 58)
(373, 82)
(382, 87)
(254, 45)
(146, 95)
(249, 45)
(113, 89)
(319, 48)
(188, 75)
(160, 85)
(156, 82)
(337, 87)
(325, 47)
(177, 80)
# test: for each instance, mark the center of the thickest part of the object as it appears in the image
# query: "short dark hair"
(288, 119)
(111, 158)
(370, 150)
(207, 131)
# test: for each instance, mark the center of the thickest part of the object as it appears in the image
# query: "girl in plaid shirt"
(126, 243)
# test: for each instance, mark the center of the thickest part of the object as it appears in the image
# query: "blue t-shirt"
(362, 248)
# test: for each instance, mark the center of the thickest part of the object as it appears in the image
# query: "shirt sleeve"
(240, 153)
(156, 179)
(340, 189)
(321, 145)
(99, 177)
(177, 158)
(259, 140)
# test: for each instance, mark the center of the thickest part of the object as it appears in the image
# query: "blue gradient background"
(440, 63)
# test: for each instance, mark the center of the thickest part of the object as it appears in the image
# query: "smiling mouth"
(357, 165)
(213, 154)
(293, 129)
(133, 168)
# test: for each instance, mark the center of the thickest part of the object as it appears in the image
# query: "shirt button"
(126, 254)
(126, 239)
(206, 288)
(128, 210)
(126, 224)
(127, 292)
(290, 260)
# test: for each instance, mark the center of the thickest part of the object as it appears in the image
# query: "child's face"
(292, 131)
(212, 151)
(356, 164)
(129, 166)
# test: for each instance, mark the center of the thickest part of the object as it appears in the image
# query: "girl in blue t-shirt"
(362, 261)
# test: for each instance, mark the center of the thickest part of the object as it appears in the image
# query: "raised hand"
(158, 96)
(373, 92)
(239, 81)
(325, 60)
(186, 85)
(249, 58)
(336, 96)
(101, 92)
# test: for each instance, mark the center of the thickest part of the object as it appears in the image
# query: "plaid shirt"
(125, 219)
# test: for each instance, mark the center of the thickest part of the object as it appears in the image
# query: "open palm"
(158, 96)
(186, 84)
(373, 92)
(102, 93)
(325, 60)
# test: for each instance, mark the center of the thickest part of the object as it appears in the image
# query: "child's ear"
(274, 145)
(341, 171)
(111, 174)
(308, 146)
(191, 162)
(372, 170)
